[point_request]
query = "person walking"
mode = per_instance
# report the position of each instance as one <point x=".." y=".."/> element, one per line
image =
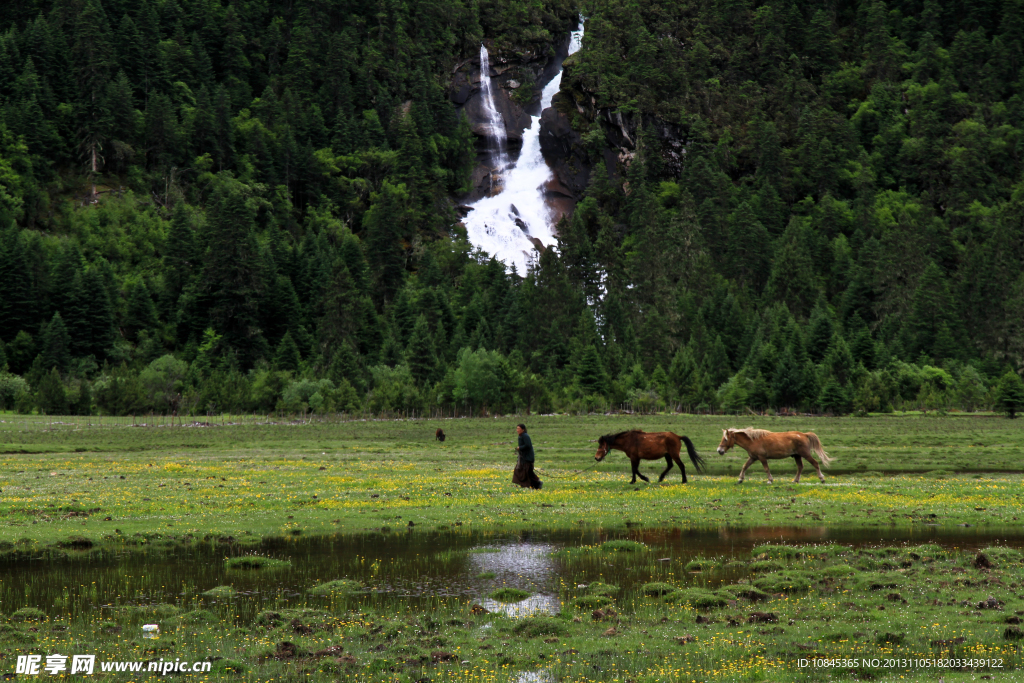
<point x="524" y="475"/>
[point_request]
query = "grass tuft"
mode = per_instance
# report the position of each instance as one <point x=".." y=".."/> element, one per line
<point x="508" y="594"/>
<point x="258" y="562"/>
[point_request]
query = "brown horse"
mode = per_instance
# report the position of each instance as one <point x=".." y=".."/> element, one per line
<point x="763" y="445"/>
<point x="639" y="446"/>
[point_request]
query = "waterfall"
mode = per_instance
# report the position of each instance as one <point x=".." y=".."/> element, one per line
<point x="502" y="225"/>
<point x="496" y="124"/>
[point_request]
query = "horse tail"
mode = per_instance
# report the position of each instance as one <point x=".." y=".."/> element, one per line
<point x="817" y="448"/>
<point x="698" y="462"/>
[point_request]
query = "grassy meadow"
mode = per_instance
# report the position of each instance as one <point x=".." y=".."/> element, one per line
<point x="77" y="493"/>
<point x="111" y="481"/>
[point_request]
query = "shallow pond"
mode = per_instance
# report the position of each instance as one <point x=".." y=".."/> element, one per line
<point x="413" y="567"/>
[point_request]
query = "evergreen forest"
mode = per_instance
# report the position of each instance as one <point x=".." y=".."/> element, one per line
<point x="252" y="206"/>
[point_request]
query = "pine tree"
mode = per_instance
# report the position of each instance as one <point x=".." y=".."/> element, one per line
<point x="131" y="54"/>
<point x="716" y="363"/>
<point x="65" y="268"/>
<point x="419" y="354"/>
<point x="56" y="345"/>
<point x="163" y="137"/>
<point x="1010" y="394"/>
<point x="681" y="372"/>
<point x="94" y="61"/>
<point x="386" y="223"/>
<point x="121" y="105"/>
<point x="839" y="361"/>
<point x="932" y="307"/>
<point x="788" y="382"/>
<point x="287" y="356"/>
<point x="403" y="316"/>
<point x="589" y="372"/>
<point x="749" y="248"/>
<point x="371" y="332"/>
<point x="179" y="255"/>
<point x="141" y="313"/>
<point x="659" y="382"/>
<point x="17" y="291"/>
<point x="20" y="352"/>
<point x="83" y="402"/>
<point x="833" y="399"/>
<point x="792" y="277"/>
<point x="345" y="366"/>
<point x="97" y="314"/>
<point x="232" y="280"/>
<point x="51" y="397"/>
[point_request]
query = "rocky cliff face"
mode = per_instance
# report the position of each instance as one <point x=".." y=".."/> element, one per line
<point x="520" y="77"/>
<point x="564" y="151"/>
<point x="575" y="105"/>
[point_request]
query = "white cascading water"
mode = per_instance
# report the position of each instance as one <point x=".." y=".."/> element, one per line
<point x="496" y="124"/>
<point x="494" y="224"/>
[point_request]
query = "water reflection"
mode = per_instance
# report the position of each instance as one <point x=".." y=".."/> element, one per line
<point x="523" y="565"/>
<point x="414" y="567"/>
<point x="535" y="604"/>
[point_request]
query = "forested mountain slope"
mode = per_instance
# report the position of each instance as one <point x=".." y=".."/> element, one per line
<point x="790" y="205"/>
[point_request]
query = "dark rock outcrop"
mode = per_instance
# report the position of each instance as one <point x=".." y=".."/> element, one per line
<point x="563" y="149"/>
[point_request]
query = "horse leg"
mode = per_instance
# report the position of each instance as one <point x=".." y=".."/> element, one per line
<point x="743" y="470"/>
<point x="637" y="473"/>
<point x="668" y="460"/>
<point x="679" y="461"/>
<point x="764" y="461"/>
<point x="799" y="468"/>
<point x="817" y="468"/>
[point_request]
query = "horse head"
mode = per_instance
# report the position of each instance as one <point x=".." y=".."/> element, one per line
<point x="602" y="449"/>
<point x="728" y="441"/>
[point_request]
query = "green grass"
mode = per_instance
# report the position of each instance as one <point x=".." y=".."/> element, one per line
<point x="509" y="594"/>
<point x="135" y="485"/>
<point x="256" y="562"/>
<point x="336" y="587"/>
<point x="73" y="491"/>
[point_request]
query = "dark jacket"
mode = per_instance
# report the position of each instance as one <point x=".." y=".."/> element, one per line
<point x="525" y="448"/>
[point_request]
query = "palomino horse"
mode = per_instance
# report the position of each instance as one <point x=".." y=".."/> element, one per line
<point x="649" y="446"/>
<point x="760" y="444"/>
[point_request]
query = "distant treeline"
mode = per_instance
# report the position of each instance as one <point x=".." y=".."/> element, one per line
<point x="811" y="208"/>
